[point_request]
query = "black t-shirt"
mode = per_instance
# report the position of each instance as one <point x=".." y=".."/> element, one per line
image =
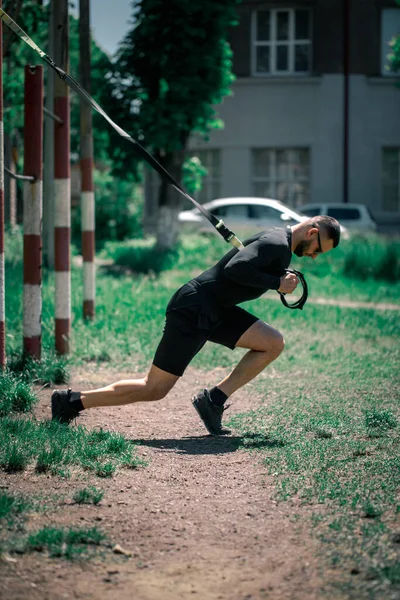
<point x="240" y="275"/>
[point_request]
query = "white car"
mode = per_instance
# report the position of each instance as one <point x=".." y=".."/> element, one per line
<point x="244" y="216"/>
<point x="352" y="216"/>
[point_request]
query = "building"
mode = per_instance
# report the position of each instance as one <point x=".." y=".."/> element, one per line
<point x="315" y="112"/>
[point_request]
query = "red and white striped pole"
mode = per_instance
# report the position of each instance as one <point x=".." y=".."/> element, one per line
<point x="33" y="210"/>
<point x="2" y="286"/>
<point x="62" y="186"/>
<point x="87" y="187"/>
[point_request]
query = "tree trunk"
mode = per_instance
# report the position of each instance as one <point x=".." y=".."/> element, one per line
<point x="169" y="202"/>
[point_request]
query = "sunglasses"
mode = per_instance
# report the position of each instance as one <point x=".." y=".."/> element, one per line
<point x="319" y="251"/>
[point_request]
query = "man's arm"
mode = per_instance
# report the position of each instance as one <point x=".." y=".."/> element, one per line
<point x="248" y="265"/>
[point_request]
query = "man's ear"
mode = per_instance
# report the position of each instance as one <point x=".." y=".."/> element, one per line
<point x="311" y="231"/>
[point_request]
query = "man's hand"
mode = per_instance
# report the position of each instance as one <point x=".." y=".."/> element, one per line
<point x="289" y="283"/>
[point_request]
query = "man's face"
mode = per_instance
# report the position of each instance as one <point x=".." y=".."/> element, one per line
<point x="313" y="244"/>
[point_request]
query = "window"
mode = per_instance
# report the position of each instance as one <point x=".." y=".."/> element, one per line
<point x="390" y="27"/>
<point x="211" y="183"/>
<point x="257" y="211"/>
<point x="233" y="211"/>
<point x="282" y="174"/>
<point x="281" y="42"/>
<point x="344" y="214"/>
<point x="391" y="179"/>
<point x="310" y="212"/>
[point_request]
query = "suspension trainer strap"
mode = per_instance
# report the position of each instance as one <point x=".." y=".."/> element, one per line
<point x="219" y="225"/>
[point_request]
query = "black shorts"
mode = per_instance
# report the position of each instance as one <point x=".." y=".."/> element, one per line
<point x="183" y="338"/>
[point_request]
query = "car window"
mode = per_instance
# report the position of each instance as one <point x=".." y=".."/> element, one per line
<point x="236" y="210"/>
<point x="258" y="211"/>
<point x="219" y="211"/>
<point x="349" y="214"/>
<point x="309" y="212"/>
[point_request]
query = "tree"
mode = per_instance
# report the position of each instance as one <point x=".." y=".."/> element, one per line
<point x="394" y="56"/>
<point x="172" y="67"/>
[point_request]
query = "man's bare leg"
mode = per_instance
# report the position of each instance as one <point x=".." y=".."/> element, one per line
<point x="265" y="343"/>
<point x="154" y="386"/>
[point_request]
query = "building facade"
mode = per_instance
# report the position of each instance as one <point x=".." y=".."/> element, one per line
<point x="315" y="111"/>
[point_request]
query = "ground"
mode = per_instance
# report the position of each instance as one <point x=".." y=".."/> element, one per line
<point x="200" y="521"/>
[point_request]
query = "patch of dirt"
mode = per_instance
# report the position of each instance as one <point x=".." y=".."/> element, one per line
<point x="200" y="521"/>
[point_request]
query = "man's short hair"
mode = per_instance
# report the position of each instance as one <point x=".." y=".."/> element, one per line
<point x="330" y="226"/>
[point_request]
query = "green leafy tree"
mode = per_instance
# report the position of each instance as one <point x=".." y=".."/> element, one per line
<point x="394" y="55"/>
<point x="172" y="68"/>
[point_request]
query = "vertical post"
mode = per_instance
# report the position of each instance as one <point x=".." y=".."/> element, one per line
<point x="48" y="167"/>
<point x="33" y="210"/>
<point x="346" y="97"/>
<point x="62" y="185"/>
<point x="86" y="163"/>
<point x="2" y="286"/>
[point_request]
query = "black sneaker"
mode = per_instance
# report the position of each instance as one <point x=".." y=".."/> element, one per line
<point x="210" y="414"/>
<point x="63" y="408"/>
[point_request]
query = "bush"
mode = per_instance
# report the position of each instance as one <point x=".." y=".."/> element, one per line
<point x="142" y="256"/>
<point x="373" y="257"/>
<point x="119" y="207"/>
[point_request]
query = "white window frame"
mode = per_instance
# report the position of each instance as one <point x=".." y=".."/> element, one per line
<point x="398" y="179"/>
<point x="273" y="43"/>
<point x="275" y="179"/>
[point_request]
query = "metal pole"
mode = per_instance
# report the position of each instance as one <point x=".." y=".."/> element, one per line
<point x="62" y="185"/>
<point x="33" y="211"/>
<point x="48" y="167"/>
<point x="86" y="163"/>
<point x="2" y="290"/>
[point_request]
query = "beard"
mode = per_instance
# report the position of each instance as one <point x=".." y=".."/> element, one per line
<point x="302" y="247"/>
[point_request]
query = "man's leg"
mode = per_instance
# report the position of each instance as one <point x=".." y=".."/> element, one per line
<point x="66" y="404"/>
<point x="265" y="345"/>
<point x="154" y="386"/>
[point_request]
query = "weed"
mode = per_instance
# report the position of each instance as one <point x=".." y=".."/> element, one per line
<point x="89" y="495"/>
<point x="380" y="419"/>
<point x="12" y="505"/>
<point x="104" y="469"/>
<point x="68" y="543"/>
<point x="51" y="369"/>
<point x="16" y="395"/>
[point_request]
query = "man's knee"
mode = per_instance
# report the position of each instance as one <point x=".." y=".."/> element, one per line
<point x="276" y="343"/>
<point x="157" y="389"/>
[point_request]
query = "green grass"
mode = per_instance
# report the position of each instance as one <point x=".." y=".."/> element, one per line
<point x="65" y="543"/>
<point x="16" y="395"/>
<point x="88" y="495"/>
<point x="12" y="506"/>
<point x="54" y="449"/>
<point x="328" y="433"/>
<point x="50" y="370"/>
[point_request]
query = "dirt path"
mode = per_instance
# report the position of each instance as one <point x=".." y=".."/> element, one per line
<point x="199" y="520"/>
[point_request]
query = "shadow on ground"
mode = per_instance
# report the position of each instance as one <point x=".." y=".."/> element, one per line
<point x="209" y="444"/>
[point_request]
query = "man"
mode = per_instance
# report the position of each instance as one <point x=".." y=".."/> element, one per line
<point x="205" y="309"/>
